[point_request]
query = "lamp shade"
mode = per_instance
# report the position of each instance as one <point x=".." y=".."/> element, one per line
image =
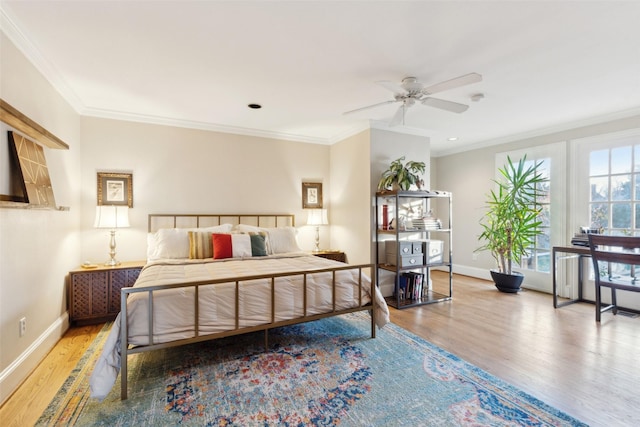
<point x="111" y="216"/>
<point x="317" y="217"/>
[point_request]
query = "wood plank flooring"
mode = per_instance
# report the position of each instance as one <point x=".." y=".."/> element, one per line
<point x="561" y="356"/>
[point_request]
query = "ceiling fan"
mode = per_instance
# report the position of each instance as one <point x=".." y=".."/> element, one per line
<point x="410" y="91"/>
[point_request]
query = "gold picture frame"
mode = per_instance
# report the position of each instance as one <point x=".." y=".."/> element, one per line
<point x="115" y="189"/>
<point x="311" y="195"/>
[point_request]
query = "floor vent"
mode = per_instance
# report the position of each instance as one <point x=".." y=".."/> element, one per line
<point x="628" y="314"/>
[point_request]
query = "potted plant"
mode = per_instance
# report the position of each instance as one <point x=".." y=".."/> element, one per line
<point x="402" y="175"/>
<point x="512" y="220"/>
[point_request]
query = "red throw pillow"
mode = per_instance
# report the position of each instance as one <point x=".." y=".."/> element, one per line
<point x="222" y="247"/>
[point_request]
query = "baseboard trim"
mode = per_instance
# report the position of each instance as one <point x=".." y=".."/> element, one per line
<point x="17" y="372"/>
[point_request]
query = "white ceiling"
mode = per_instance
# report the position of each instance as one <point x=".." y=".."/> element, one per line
<point x="545" y="65"/>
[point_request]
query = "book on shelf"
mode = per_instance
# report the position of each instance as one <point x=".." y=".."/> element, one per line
<point x="411" y="285"/>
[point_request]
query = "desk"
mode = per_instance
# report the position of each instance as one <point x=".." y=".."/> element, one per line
<point x="581" y="252"/>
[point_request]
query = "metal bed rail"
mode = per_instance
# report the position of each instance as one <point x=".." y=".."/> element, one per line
<point x="125" y="351"/>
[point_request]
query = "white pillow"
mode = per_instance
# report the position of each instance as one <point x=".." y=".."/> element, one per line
<point x="240" y="245"/>
<point x="283" y="239"/>
<point x="174" y="242"/>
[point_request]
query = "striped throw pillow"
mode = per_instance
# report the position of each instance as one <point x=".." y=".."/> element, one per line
<point x="200" y="245"/>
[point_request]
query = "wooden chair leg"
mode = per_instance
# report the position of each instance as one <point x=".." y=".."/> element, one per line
<point x="598" y="302"/>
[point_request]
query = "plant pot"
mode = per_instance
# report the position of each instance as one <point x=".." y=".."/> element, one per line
<point x="509" y="283"/>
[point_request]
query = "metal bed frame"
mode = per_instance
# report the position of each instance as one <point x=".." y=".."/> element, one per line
<point x="157" y="221"/>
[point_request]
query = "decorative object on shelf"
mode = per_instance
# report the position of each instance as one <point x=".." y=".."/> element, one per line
<point x="32" y="183"/>
<point x="115" y="189"/>
<point x="112" y="217"/>
<point x="511" y="223"/>
<point x="402" y="176"/>
<point x="317" y="217"/>
<point x="311" y="195"/>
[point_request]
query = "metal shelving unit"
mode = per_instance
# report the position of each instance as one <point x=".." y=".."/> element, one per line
<point x="409" y="208"/>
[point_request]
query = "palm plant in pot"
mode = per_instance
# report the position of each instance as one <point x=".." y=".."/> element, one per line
<point x="401" y="176"/>
<point x="512" y="221"/>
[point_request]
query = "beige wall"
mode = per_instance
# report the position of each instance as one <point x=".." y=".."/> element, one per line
<point x="37" y="247"/>
<point x="179" y="170"/>
<point x="350" y="212"/>
<point x="387" y="146"/>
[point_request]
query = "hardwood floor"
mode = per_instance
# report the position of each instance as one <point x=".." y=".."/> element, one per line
<point x="26" y="405"/>
<point x="561" y="356"/>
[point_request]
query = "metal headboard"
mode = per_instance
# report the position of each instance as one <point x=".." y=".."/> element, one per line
<point x="158" y="221"/>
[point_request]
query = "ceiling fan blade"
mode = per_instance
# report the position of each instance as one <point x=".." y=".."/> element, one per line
<point x="453" y="83"/>
<point x="398" y="118"/>
<point x="369" y="106"/>
<point x="393" y="87"/>
<point x="454" y="107"/>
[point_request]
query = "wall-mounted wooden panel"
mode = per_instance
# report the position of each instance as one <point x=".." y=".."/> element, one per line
<point x="24" y="124"/>
<point x="33" y="171"/>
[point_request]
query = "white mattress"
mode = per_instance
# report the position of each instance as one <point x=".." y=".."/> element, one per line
<point x="174" y="309"/>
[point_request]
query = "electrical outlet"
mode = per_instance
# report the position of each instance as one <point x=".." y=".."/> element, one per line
<point x="23" y="326"/>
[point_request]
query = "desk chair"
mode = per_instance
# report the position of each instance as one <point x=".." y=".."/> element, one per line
<point x="606" y="252"/>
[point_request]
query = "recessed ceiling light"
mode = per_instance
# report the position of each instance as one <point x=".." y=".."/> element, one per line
<point x="453" y="138"/>
<point x="254" y="106"/>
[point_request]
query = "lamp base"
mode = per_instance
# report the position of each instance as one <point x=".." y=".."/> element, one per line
<point x="112" y="251"/>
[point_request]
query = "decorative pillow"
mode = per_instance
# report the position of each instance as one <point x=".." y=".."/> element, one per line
<point x="279" y="239"/>
<point x="200" y="245"/>
<point x="174" y="242"/>
<point x="231" y="245"/>
<point x="251" y="229"/>
<point x="258" y="244"/>
<point x="283" y="239"/>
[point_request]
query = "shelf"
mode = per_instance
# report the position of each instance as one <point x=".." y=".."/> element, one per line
<point x="414" y="230"/>
<point x="395" y="205"/>
<point x="430" y="298"/>
<point x="394" y="268"/>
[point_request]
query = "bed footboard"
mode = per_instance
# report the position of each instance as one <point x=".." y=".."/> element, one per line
<point x="126" y="349"/>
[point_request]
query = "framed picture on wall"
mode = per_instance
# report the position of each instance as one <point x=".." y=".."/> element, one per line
<point x="115" y="189"/>
<point x="311" y="195"/>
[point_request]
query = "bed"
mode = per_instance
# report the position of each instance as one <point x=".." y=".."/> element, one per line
<point x="212" y="276"/>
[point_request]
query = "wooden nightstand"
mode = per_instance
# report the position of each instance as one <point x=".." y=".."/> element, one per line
<point x="331" y="254"/>
<point x="94" y="293"/>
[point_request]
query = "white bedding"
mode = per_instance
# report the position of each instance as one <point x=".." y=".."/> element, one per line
<point x="174" y="308"/>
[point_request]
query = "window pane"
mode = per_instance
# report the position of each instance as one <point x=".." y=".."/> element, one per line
<point x="544" y="262"/>
<point x="637" y="207"/>
<point x="621" y="187"/>
<point x="599" y="162"/>
<point x="599" y="215"/>
<point x="621" y="160"/>
<point x="545" y="216"/>
<point x="543" y="241"/>
<point x="621" y="215"/>
<point x="599" y="189"/>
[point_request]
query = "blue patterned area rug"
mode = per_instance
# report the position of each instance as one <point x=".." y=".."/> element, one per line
<point x="327" y="372"/>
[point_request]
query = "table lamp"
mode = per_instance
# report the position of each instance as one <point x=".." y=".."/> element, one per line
<point x="317" y="217"/>
<point x="113" y="217"/>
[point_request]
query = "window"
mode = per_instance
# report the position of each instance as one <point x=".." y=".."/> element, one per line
<point x="614" y="189"/>
<point x="553" y="159"/>
<point x="540" y="253"/>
